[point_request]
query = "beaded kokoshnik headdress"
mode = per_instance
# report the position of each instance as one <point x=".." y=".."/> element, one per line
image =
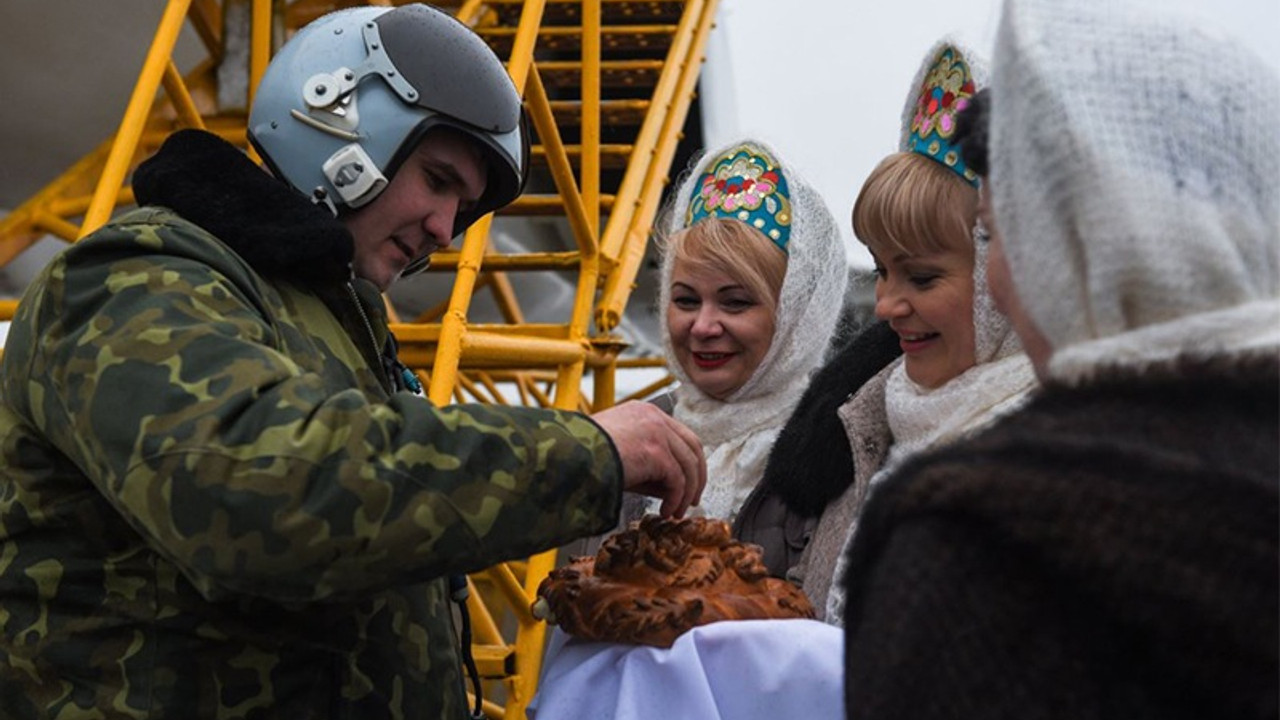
<point x="947" y="80"/>
<point x="744" y="183"/>
<point x="943" y="87"/>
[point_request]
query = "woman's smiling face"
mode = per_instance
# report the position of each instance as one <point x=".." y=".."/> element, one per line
<point x="720" y="331"/>
<point x="927" y="299"/>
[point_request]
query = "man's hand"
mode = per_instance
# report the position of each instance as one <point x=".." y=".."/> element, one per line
<point x="660" y="457"/>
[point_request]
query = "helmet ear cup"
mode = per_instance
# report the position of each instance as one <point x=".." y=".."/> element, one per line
<point x="350" y="95"/>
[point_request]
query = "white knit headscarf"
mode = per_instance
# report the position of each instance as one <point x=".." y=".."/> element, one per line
<point x="993" y="336"/>
<point x="738" y="432"/>
<point x="1135" y="184"/>
<point x="920" y="416"/>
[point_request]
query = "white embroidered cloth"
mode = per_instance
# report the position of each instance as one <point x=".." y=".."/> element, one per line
<point x="734" y="670"/>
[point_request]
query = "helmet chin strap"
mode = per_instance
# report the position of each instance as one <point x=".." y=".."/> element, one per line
<point x="416" y="266"/>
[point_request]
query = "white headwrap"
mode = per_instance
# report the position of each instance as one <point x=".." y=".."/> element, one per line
<point x="738" y="432"/>
<point x="920" y="418"/>
<point x="993" y="336"/>
<point x="1135" y="183"/>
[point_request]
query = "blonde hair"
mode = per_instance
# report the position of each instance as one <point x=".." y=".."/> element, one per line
<point x="912" y="204"/>
<point x="737" y="250"/>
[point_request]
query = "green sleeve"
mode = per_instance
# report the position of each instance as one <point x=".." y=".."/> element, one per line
<point x="159" y="369"/>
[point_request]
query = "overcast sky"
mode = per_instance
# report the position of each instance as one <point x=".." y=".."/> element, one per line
<point x="825" y="81"/>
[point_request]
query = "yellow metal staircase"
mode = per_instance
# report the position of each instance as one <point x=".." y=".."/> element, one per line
<point x="607" y="84"/>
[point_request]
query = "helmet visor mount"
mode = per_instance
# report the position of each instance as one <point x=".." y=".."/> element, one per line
<point x="332" y="107"/>
<point x="332" y="94"/>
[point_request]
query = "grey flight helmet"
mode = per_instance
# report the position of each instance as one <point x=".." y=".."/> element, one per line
<point x="349" y="96"/>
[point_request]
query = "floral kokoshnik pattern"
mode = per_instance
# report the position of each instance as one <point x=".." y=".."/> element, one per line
<point x="747" y="185"/>
<point x="948" y="85"/>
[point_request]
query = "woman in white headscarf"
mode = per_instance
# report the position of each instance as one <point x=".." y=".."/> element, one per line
<point x="1111" y="549"/>
<point x="962" y="366"/>
<point x="752" y="285"/>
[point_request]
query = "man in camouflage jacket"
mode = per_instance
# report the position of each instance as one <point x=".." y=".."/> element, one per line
<point x="216" y="500"/>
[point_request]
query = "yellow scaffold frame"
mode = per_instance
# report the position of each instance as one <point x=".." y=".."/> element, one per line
<point x="456" y="358"/>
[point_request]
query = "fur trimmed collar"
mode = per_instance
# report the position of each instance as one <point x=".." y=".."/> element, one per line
<point x="810" y="463"/>
<point x="276" y="229"/>
<point x="1244" y="379"/>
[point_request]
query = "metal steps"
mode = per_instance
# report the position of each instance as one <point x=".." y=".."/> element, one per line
<point x="608" y="85"/>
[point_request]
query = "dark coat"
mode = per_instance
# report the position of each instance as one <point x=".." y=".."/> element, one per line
<point x="1108" y="552"/>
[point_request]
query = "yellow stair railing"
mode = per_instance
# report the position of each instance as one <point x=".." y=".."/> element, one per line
<point x="607" y="85"/>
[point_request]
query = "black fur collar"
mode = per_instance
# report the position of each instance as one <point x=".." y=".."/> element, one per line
<point x="1236" y="381"/>
<point x="276" y="229"/>
<point x="810" y="463"/>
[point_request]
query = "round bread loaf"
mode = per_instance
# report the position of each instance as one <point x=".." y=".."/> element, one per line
<point x="660" y="577"/>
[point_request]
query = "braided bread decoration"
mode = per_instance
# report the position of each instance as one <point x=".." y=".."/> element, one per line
<point x="661" y="577"/>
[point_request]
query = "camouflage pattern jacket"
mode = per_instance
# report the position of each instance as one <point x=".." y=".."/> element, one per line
<point x="214" y="504"/>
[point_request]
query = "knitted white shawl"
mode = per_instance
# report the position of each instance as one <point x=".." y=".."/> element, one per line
<point x="920" y="419"/>
<point x="738" y="432"/>
<point x="998" y="383"/>
<point x="1133" y="176"/>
